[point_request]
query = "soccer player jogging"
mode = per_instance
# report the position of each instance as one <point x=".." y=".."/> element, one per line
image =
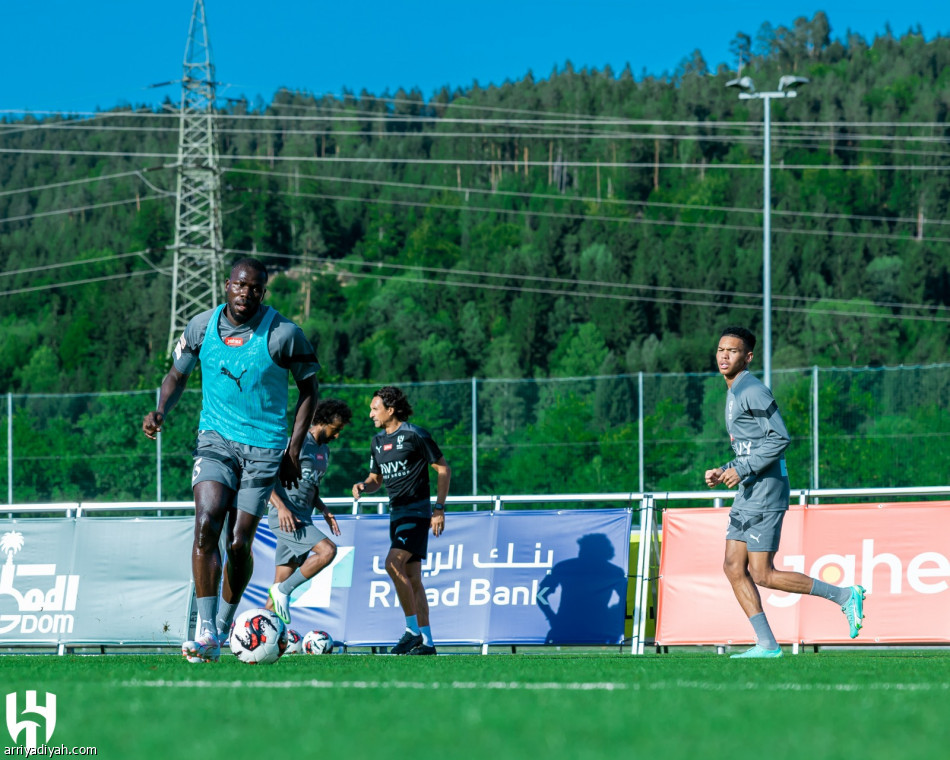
<point x="247" y="353"/>
<point x="302" y="548"/>
<point x="759" y="440"/>
<point x="400" y="458"/>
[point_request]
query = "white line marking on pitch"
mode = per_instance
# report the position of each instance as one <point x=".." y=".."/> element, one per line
<point x="462" y="685"/>
<point x="759" y="686"/>
<point x="529" y="686"/>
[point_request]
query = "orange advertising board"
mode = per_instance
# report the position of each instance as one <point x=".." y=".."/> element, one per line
<point x="899" y="552"/>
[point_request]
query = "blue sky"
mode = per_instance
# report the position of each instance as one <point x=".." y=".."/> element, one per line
<point x="66" y="55"/>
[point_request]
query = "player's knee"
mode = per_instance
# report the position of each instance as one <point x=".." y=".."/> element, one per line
<point x="326" y="551"/>
<point x="733" y="569"/>
<point x="207" y="531"/>
<point x="239" y="546"/>
<point x="761" y="576"/>
<point x="395" y="567"/>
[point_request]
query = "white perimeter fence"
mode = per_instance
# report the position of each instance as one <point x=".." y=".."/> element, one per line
<point x="647" y="508"/>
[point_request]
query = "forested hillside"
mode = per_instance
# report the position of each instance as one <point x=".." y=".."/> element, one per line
<point x="584" y="222"/>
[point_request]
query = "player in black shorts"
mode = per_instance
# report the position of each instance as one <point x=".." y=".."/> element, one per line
<point x="400" y="458"/>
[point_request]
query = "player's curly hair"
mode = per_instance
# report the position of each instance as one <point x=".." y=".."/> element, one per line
<point x="393" y="398"/>
<point x="329" y="409"/>
<point x="746" y="336"/>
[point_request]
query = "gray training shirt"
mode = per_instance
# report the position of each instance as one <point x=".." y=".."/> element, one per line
<point x="286" y="343"/>
<point x="301" y="499"/>
<point x="759" y="439"/>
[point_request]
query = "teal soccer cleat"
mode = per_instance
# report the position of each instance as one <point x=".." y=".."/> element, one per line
<point x="758" y="653"/>
<point x="853" y="609"/>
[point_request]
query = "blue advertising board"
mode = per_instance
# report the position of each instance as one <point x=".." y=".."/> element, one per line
<point x="532" y="577"/>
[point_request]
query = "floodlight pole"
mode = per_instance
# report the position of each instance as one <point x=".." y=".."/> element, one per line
<point x="767" y="97"/>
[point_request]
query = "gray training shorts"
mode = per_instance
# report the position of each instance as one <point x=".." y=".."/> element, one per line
<point x="759" y="531"/>
<point x="293" y="548"/>
<point x="250" y="471"/>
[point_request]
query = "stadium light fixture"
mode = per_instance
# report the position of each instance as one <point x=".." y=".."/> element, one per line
<point x="743" y="83"/>
<point x="786" y="89"/>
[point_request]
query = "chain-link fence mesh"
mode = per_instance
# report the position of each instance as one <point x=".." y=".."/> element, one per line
<point x="875" y="428"/>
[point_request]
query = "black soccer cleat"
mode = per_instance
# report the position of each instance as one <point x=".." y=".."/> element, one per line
<point x="407" y="643"/>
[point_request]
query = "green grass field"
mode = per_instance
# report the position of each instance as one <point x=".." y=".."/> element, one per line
<point x="845" y="704"/>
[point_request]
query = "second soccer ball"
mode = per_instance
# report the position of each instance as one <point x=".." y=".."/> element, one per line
<point x="317" y="642"/>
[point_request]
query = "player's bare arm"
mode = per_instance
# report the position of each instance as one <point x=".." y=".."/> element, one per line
<point x="172" y="387"/>
<point x="372" y="484"/>
<point x="306" y="400"/>
<point x="444" y="478"/>
<point x="285" y="518"/>
<point x="329" y="517"/>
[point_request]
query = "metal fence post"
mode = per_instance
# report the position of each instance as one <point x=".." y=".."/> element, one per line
<point x="640" y="427"/>
<point x="10" y="448"/>
<point x="814" y="427"/>
<point x="158" y="452"/>
<point x="474" y="438"/>
<point x="641" y="595"/>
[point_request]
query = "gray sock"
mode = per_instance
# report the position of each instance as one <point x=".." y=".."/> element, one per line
<point x="207" y="611"/>
<point x="763" y="633"/>
<point x="826" y="591"/>
<point x="226" y="617"/>
<point x="292" y="582"/>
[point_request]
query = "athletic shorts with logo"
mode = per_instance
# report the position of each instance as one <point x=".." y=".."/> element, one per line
<point x="760" y="531"/>
<point x="293" y="547"/>
<point x="410" y="534"/>
<point x="249" y="471"/>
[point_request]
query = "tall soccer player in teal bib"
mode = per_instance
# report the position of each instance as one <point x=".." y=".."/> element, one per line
<point x="247" y="352"/>
<point x="759" y="440"/>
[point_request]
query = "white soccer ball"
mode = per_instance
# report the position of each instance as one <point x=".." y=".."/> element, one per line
<point x="258" y="636"/>
<point x="317" y="642"/>
<point x="294" y="642"/>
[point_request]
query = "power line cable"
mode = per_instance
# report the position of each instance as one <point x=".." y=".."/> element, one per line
<point x="75" y="209"/>
<point x="63" y="265"/>
<point x="85" y="180"/>
<point x="327" y="261"/>
<point x="580" y="199"/>
<point x="483" y="286"/>
<point x="579" y="121"/>
<point x="618" y="220"/>
<point x="594" y="283"/>
<point x="622" y="297"/>
<point x="814" y="141"/>
<point x="73" y="283"/>
<point x="513" y="163"/>
<point x="552" y="280"/>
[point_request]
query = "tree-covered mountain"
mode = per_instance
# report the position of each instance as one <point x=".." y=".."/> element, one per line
<point x="586" y="223"/>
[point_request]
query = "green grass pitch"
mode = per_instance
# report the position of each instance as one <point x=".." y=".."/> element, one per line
<point x="835" y="704"/>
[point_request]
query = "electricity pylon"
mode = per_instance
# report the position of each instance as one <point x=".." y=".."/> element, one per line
<point x="198" y="242"/>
